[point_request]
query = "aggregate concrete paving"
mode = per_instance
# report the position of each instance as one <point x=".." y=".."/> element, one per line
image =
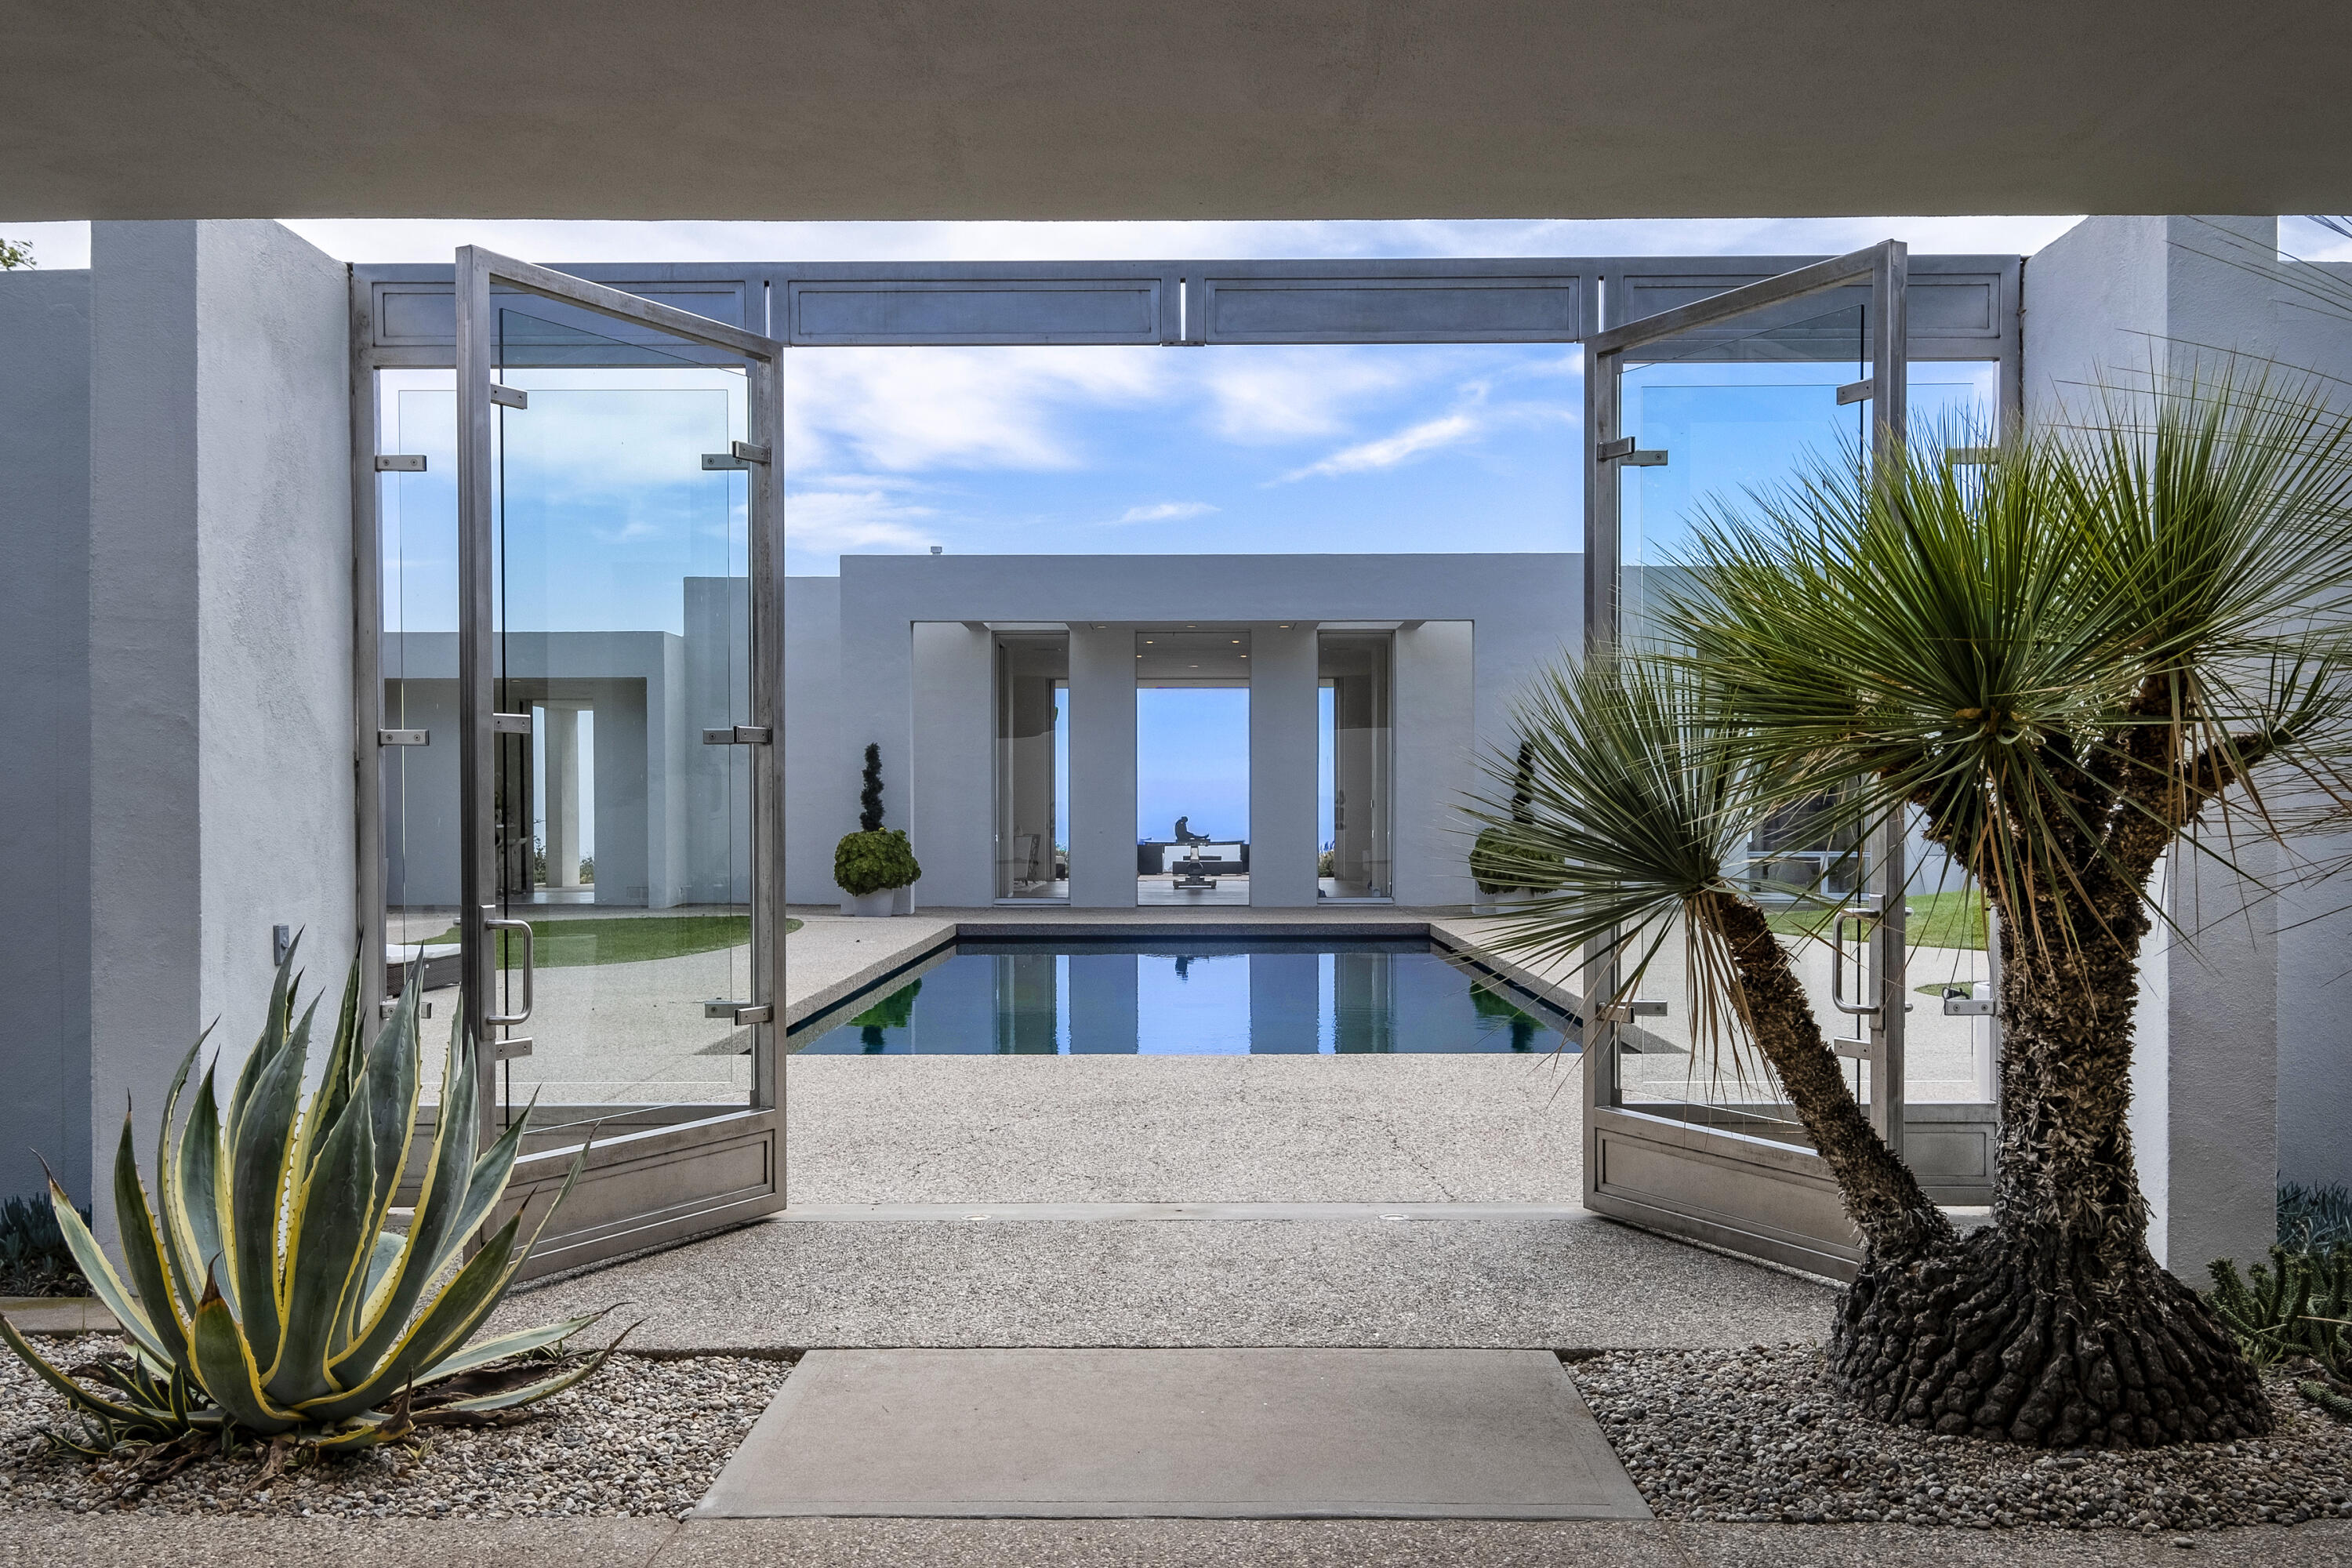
<point x="132" y="1541"/>
<point x="1368" y="1129"/>
<point x="1569" y="1282"/>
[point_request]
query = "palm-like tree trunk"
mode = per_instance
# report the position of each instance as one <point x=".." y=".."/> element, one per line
<point x="2054" y="1325"/>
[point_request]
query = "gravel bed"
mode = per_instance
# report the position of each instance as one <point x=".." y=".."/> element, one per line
<point x="1758" y="1434"/>
<point x="643" y="1437"/>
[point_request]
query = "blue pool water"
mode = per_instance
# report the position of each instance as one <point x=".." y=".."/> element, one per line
<point x="1190" y="998"/>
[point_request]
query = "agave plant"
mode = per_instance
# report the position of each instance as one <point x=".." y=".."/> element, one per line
<point x="268" y="1297"/>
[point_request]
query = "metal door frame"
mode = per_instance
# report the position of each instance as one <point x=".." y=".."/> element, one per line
<point x="638" y="1189"/>
<point x="1749" y="1194"/>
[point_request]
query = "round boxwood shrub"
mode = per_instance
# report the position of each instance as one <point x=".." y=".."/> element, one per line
<point x="873" y="862"/>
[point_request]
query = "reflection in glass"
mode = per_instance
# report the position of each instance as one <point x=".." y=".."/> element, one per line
<point x="622" y="621"/>
<point x="1191" y="766"/>
<point x="1352" y="670"/>
<point x="1718" y="413"/>
<point x="416" y="524"/>
<point x="1033" y="765"/>
<point x="1205" y="998"/>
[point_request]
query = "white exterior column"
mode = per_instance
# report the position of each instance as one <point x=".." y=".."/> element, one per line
<point x="1281" y="750"/>
<point x="560" y="752"/>
<point x="220" y="757"/>
<point x="1102" y="767"/>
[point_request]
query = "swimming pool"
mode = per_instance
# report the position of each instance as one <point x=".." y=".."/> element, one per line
<point x="1190" y="997"/>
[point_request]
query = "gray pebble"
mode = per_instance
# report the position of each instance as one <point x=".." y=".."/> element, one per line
<point x="1758" y="1434"/>
<point x="641" y="1438"/>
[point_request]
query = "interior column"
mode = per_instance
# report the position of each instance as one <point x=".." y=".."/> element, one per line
<point x="1283" y="754"/>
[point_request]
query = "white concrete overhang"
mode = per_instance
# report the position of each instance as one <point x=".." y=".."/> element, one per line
<point x="1220" y="108"/>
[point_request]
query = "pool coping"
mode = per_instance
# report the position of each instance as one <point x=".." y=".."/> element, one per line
<point x="932" y="934"/>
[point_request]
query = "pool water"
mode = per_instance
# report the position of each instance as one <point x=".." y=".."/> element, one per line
<point x="1191" y="997"/>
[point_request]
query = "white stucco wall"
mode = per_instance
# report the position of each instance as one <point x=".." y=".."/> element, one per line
<point x="1436" y="742"/>
<point x="2242" y="1063"/>
<point x="816" y="812"/>
<point x="942" y="791"/>
<point x="221" y="756"/>
<point x="44" y="718"/>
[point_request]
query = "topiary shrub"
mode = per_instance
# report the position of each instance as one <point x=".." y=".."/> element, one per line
<point x="874" y="862"/>
<point x="1498" y="862"/>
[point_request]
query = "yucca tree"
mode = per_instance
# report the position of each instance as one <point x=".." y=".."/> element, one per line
<point x="2123" y="640"/>
<point x="269" y="1295"/>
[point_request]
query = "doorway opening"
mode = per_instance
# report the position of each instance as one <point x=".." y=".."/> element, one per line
<point x="1193" y="766"/>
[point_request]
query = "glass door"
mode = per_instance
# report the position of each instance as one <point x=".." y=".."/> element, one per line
<point x="1799" y="376"/>
<point x="617" y="638"/>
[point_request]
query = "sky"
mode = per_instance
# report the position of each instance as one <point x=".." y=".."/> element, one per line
<point x="1145" y="449"/>
<point x="1093" y="451"/>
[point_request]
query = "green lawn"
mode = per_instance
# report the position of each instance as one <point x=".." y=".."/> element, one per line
<point x="627" y="938"/>
<point x="1952" y="919"/>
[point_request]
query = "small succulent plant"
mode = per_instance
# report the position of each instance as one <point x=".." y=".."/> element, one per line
<point x="2298" y="1310"/>
<point x="269" y="1296"/>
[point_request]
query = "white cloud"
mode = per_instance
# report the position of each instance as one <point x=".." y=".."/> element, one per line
<point x="821" y="523"/>
<point x="1388" y="451"/>
<point x="909" y="409"/>
<point x="559" y="241"/>
<point x="1165" y="512"/>
<point x="1259" y="396"/>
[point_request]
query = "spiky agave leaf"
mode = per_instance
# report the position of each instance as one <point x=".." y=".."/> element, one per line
<point x="265" y="1294"/>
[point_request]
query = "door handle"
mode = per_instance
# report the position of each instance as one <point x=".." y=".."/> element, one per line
<point x="529" y="966"/>
<point x="1863" y="915"/>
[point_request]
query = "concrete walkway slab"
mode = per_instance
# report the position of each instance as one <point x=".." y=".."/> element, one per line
<point x="1212" y="1434"/>
<point x="58" y="1315"/>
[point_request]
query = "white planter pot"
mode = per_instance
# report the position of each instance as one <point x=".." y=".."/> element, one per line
<point x="902" y="900"/>
<point x="873" y="904"/>
<point x="1503" y="904"/>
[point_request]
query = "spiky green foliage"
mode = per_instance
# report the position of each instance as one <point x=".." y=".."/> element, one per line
<point x="2301" y="1305"/>
<point x="2125" y="638"/>
<point x="2313" y="1218"/>
<point x="2331" y="1400"/>
<point x="266" y="1294"/>
<point x="34" y="1259"/>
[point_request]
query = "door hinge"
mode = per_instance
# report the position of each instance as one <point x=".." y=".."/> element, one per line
<point x="509" y="724"/>
<point x="1622" y="450"/>
<point x="739" y="735"/>
<point x="1856" y="392"/>
<point x="1962" y="1001"/>
<point x="510" y="1048"/>
<point x="740" y="1012"/>
<point x="404" y="737"/>
<point x="739" y="455"/>
<point x="400" y="462"/>
<point x="508" y="396"/>
<point x="1626" y="1012"/>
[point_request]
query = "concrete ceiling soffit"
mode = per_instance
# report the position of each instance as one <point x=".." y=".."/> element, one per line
<point x="1218" y="109"/>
